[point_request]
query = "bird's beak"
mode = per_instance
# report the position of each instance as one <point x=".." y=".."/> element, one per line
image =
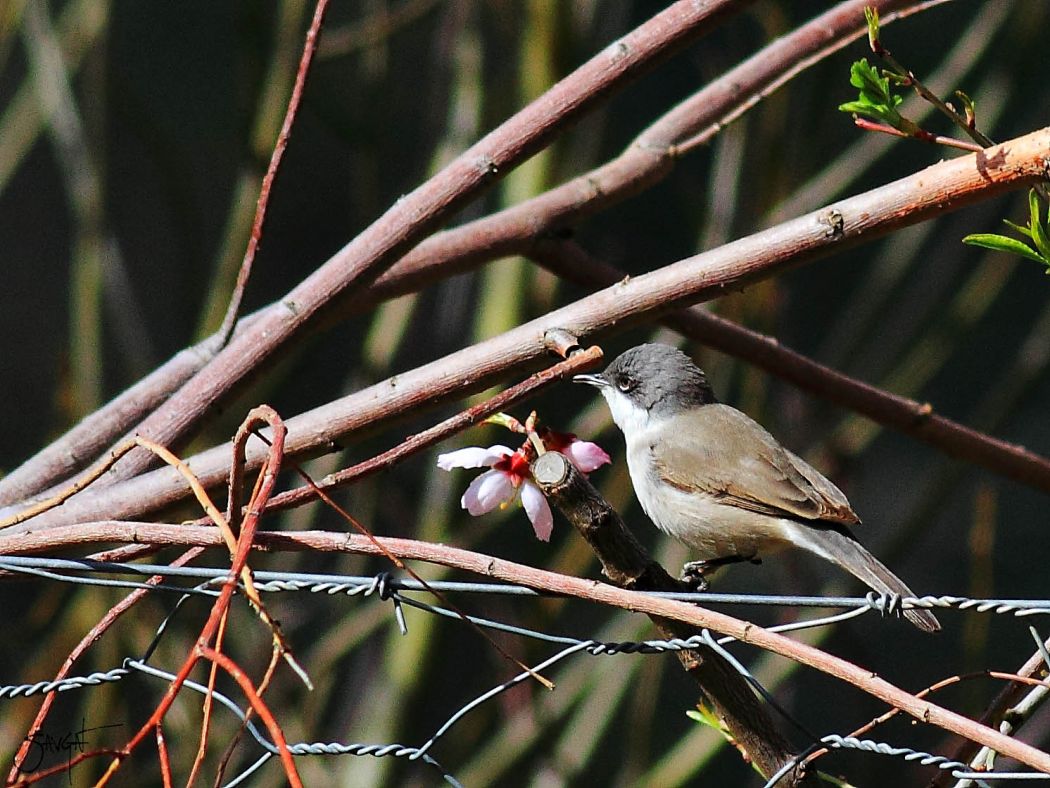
<point x="598" y="381"/>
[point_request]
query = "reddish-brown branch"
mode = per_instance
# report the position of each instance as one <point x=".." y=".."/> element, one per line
<point x="563" y="370"/>
<point x="993" y="715"/>
<point x="499" y="569"/>
<point x="163" y="757"/>
<point x="309" y="49"/>
<point x="941" y="187"/>
<point x="918" y="134"/>
<point x="260" y="708"/>
<point x="231" y="747"/>
<point x="936" y="687"/>
<point x="62" y="768"/>
<point x="238" y="566"/>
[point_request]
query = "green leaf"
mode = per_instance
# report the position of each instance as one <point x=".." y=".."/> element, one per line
<point x="871" y="16"/>
<point x="864" y="77"/>
<point x="969" y="108"/>
<point x="1035" y="224"/>
<point x="871" y="111"/>
<point x="705" y="715"/>
<point x="875" y="99"/>
<point x="1002" y="243"/>
<point x="1023" y="230"/>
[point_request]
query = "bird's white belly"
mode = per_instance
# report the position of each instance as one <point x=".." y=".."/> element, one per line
<point x="711" y="528"/>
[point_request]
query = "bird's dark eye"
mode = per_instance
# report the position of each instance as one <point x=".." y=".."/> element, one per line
<point x="625" y="384"/>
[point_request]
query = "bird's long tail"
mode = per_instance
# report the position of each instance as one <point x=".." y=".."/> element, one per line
<point x="844" y="550"/>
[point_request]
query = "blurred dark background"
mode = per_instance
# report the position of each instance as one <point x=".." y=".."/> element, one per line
<point x="124" y="218"/>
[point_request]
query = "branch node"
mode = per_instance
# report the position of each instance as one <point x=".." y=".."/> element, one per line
<point x="834" y="221"/>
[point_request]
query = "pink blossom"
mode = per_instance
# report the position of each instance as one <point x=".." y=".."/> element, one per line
<point x="509" y="477"/>
<point x="584" y="455"/>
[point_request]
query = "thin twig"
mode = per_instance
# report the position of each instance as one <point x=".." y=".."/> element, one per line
<point x="928" y="95"/>
<point x="563" y="370"/>
<point x="202" y="648"/>
<point x="309" y="49"/>
<point x="163" y="757"/>
<point x="936" y="687"/>
<point x="919" y="134"/>
<point x="260" y="708"/>
<point x="992" y="715"/>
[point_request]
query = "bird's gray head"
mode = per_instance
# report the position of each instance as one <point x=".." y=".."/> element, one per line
<point x="650" y="382"/>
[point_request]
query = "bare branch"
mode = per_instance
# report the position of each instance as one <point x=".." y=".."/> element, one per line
<point x="309" y="49"/>
<point x="511" y="231"/>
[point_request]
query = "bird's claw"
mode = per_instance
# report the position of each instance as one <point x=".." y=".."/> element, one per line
<point x="694" y="573"/>
<point x="693" y="576"/>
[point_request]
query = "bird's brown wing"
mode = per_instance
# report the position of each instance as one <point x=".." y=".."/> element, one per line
<point x="718" y="450"/>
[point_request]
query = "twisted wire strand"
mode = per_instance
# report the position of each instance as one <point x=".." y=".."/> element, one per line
<point x="959" y="770"/>
<point x="333" y="584"/>
<point x="62" y="685"/>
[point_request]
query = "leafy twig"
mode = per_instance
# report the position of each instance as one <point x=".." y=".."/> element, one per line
<point x="907" y="78"/>
<point x="876" y="108"/>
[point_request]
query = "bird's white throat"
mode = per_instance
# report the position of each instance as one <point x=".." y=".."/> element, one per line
<point x="629" y="417"/>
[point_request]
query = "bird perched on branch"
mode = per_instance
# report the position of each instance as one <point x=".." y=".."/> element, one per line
<point x="713" y="478"/>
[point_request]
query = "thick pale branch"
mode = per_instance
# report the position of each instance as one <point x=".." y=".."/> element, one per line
<point x="647" y="160"/>
<point x="496" y="568"/>
<point x="942" y="187"/>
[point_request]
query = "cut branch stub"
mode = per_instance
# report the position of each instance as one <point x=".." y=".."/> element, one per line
<point x="624" y="560"/>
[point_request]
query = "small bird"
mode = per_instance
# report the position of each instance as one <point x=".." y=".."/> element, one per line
<point x="713" y="478"/>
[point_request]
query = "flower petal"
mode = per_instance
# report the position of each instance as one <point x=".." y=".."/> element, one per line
<point x="538" y="510"/>
<point x="487" y="491"/>
<point x="587" y="456"/>
<point x="472" y="457"/>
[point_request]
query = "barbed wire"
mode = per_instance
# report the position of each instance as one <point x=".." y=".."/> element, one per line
<point x="396" y="590"/>
<point x="335" y="584"/>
